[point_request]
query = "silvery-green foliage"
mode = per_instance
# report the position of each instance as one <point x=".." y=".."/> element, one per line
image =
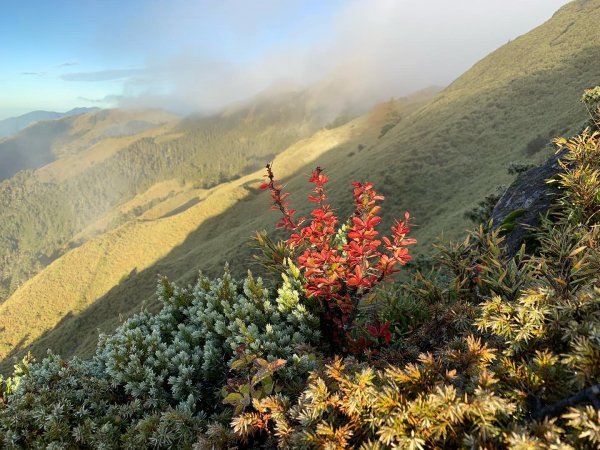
<point x="180" y="355"/>
<point x="154" y="381"/>
<point x="58" y="404"/>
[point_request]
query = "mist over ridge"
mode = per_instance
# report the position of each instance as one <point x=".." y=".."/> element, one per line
<point x="369" y="53"/>
<point x="201" y="57"/>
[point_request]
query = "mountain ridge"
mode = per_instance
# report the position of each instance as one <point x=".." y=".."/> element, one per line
<point x="12" y="125"/>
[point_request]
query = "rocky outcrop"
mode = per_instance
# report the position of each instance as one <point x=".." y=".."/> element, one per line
<point x="527" y="199"/>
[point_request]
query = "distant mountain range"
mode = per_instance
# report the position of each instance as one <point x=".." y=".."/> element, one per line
<point x="45" y="141"/>
<point x="13" y="125"/>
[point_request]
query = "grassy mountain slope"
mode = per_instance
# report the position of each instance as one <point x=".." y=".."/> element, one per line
<point x="456" y="149"/>
<point x="43" y="213"/>
<point x="437" y="163"/>
<point x="164" y="239"/>
<point x="39" y="213"/>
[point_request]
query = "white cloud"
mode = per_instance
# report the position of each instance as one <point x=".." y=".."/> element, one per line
<point x="382" y="48"/>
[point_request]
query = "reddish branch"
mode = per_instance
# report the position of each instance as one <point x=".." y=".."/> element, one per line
<point x="279" y="200"/>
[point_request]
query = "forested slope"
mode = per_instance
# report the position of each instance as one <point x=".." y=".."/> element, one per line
<point x="98" y="169"/>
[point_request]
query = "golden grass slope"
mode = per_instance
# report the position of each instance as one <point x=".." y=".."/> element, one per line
<point x="161" y="199"/>
<point x="445" y="158"/>
<point x="82" y="276"/>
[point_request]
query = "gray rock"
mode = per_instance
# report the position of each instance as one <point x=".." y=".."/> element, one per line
<point x="527" y="199"/>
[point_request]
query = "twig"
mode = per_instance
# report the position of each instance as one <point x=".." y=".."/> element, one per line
<point x="589" y="394"/>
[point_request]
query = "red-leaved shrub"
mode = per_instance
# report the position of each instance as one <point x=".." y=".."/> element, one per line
<point x="340" y="265"/>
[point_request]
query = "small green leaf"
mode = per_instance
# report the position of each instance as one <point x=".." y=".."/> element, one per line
<point x="239" y="364"/>
<point x="233" y="398"/>
<point x="261" y="363"/>
<point x="268" y="386"/>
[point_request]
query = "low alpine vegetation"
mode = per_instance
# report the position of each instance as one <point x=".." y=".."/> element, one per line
<point x="158" y="378"/>
<point x="481" y="350"/>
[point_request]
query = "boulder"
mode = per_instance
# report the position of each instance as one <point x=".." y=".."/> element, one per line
<point x="525" y="201"/>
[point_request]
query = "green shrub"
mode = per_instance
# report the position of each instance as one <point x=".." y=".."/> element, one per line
<point x="384" y="129"/>
<point x="158" y="377"/>
<point x="591" y="99"/>
<point x="516" y="168"/>
<point x="482" y="213"/>
<point x="508" y="355"/>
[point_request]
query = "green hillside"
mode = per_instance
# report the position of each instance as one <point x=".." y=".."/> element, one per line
<point x="437" y="162"/>
<point x="487" y="350"/>
<point x="173" y="219"/>
<point x="40" y="210"/>
<point x="456" y="149"/>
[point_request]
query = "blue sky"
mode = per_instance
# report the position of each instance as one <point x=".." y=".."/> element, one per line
<point x="199" y="55"/>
